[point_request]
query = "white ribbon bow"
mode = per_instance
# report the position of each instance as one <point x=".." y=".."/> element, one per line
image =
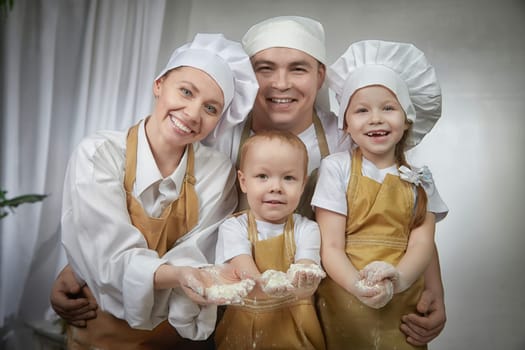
<point x="418" y="176"/>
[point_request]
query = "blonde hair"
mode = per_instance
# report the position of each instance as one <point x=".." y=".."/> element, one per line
<point x="286" y="137"/>
<point x="420" y="210"/>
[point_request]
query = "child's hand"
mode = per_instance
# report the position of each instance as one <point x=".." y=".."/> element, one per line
<point x="305" y="279"/>
<point x="275" y="283"/>
<point x="377" y="271"/>
<point x="305" y="275"/>
<point x="375" y="295"/>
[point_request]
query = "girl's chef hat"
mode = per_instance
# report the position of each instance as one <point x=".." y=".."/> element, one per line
<point x="400" y="67"/>
<point x="227" y="63"/>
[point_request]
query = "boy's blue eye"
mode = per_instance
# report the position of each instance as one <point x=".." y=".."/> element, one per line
<point x="289" y="178"/>
<point x="262" y="176"/>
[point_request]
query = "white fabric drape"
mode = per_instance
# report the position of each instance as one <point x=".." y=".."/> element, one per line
<point x="68" y="68"/>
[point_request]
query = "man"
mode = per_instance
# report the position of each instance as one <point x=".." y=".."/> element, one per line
<point x="288" y="55"/>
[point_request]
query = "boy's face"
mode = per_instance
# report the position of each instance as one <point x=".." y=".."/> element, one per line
<point x="289" y="80"/>
<point x="273" y="179"/>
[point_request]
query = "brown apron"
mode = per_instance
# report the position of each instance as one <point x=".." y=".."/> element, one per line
<point x="304" y="208"/>
<point x="276" y="323"/>
<point x="377" y="228"/>
<point x="109" y="332"/>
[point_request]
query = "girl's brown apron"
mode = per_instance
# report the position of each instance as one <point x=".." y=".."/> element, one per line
<point x="377" y="228"/>
<point x="304" y="208"/>
<point x="109" y="332"/>
<point x="276" y="323"/>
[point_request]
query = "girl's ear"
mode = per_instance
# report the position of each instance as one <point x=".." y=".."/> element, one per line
<point x="242" y="180"/>
<point x="408" y="123"/>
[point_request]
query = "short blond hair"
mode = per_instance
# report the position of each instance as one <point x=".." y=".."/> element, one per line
<point x="281" y="135"/>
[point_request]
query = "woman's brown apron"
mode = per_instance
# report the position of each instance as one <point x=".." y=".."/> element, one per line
<point x="274" y="323"/>
<point x="304" y="207"/>
<point x="377" y="228"/>
<point x="109" y="332"/>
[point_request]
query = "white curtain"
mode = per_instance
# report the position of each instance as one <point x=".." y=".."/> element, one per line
<point x="68" y="68"/>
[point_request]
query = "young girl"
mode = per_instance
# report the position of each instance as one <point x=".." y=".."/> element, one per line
<point x="141" y="207"/>
<point x="270" y="239"/>
<point x="376" y="213"/>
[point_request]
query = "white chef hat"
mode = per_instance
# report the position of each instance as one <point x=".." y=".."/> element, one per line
<point x="227" y="63"/>
<point x="295" y="32"/>
<point x="400" y="67"/>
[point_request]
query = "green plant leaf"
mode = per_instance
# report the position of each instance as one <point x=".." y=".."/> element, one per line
<point x="27" y="198"/>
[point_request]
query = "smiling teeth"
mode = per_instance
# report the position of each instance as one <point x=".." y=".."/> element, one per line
<point x="281" y="100"/>
<point x="179" y="125"/>
<point x="376" y="133"/>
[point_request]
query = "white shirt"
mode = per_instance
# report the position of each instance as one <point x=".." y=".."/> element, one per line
<point x="336" y="139"/>
<point x="233" y="237"/>
<point x="112" y="256"/>
<point x="334" y="175"/>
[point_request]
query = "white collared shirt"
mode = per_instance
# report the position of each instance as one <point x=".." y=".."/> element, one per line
<point x="153" y="191"/>
<point x="112" y="256"/>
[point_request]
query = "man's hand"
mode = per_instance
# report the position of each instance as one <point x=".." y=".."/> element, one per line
<point x="71" y="301"/>
<point x="421" y="328"/>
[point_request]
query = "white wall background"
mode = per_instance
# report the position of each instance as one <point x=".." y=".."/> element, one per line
<point x="475" y="150"/>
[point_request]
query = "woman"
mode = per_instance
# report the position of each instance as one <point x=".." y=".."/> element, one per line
<point x="140" y="207"/>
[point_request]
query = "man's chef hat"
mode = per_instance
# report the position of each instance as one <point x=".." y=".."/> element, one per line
<point x="295" y="32"/>
<point x="400" y="67"/>
<point x="227" y="63"/>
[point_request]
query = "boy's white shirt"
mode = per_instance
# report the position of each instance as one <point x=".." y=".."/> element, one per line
<point x="233" y="237"/>
<point x="111" y="255"/>
<point x="334" y="175"/>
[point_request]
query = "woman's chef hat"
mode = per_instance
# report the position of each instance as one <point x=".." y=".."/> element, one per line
<point x="400" y="67"/>
<point x="295" y="32"/>
<point x="227" y="63"/>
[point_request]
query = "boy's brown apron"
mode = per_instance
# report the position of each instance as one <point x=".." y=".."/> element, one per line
<point x="276" y="323"/>
<point x="304" y="207"/>
<point x="109" y="332"/>
<point x="377" y="228"/>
